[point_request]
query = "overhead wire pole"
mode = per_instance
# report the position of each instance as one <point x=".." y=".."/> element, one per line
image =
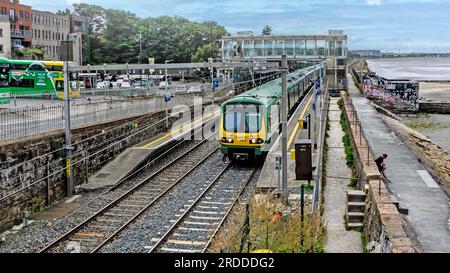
<point x="284" y="126"/>
<point x="68" y="133"/>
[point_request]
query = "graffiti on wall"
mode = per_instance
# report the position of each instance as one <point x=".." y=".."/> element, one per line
<point x="402" y="95"/>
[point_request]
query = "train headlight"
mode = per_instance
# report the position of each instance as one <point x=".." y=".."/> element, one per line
<point x="227" y="139"/>
<point x="256" y="141"/>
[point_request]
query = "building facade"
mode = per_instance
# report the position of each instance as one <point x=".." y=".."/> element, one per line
<point x="331" y="48"/>
<point x="20" y="22"/>
<point x="365" y="53"/>
<point x="5" y="37"/>
<point x="78" y="27"/>
<point x="49" y="30"/>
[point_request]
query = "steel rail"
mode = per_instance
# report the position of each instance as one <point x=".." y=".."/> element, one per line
<point x="157" y="198"/>
<point x="169" y="231"/>
<point x="224" y="218"/>
<point x="120" y="198"/>
<point x="198" y="199"/>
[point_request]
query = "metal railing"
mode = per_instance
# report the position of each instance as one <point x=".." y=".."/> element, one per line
<point x="20" y="33"/>
<point x="319" y="159"/>
<point x="30" y="120"/>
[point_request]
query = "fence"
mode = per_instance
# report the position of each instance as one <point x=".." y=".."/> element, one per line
<point x="39" y="119"/>
<point x="321" y="142"/>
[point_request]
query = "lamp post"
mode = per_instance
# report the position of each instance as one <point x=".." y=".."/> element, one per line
<point x="140" y="48"/>
<point x="284" y="69"/>
<point x="67" y="129"/>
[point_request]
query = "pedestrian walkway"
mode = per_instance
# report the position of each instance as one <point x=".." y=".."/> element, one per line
<point x="428" y="205"/>
<point x="338" y="240"/>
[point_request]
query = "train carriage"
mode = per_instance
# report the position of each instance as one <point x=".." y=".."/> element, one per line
<point x="250" y="119"/>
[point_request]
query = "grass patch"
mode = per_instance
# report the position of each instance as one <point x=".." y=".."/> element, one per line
<point x="363" y="241"/>
<point x="308" y="187"/>
<point x="348" y="149"/>
<point x="284" y="234"/>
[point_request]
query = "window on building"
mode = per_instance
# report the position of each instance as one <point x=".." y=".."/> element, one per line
<point x="321" y="47"/>
<point x="279" y="47"/>
<point x="21" y="14"/>
<point x="12" y="13"/>
<point x="268" y="47"/>
<point x="331" y="48"/>
<point x="300" y="49"/>
<point x="1" y="32"/>
<point x="289" y="47"/>
<point x="310" y="48"/>
<point x="1" y="48"/>
<point x="4" y="11"/>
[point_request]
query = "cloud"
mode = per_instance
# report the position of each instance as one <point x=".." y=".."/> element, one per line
<point x="373" y="2"/>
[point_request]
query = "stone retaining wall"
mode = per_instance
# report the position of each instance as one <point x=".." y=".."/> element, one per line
<point x="434" y="107"/>
<point x="382" y="221"/>
<point x="31" y="159"/>
<point x="436" y="159"/>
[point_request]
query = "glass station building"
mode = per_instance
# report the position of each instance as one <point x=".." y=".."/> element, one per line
<point x="331" y="48"/>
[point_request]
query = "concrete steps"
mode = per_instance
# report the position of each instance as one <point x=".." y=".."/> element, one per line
<point x="356" y="203"/>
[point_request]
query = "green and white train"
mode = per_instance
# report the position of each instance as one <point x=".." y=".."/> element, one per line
<point x="247" y="122"/>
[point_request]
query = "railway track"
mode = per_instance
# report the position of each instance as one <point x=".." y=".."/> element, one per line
<point x="200" y="221"/>
<point x="96" y="231"/>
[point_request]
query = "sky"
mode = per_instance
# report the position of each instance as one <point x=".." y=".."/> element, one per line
<point x="401" y="26"/>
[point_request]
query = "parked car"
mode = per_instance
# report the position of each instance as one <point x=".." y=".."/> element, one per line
<point x="102" y="85"/>
<point x="163" y="84"/>
<point x="125" y="84"/>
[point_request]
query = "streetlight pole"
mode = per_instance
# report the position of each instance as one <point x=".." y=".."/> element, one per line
<point x="284" y="126"/>
<point x="68" y="133"/>
<point x="140" y="47"/>
<point x="166" y="93"/>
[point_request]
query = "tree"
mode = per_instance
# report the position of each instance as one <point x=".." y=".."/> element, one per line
<point x="114" y="36"/>
<point x="63" y="12"/>
<point x="267" y="30"/>
<point x="204" y="52"/>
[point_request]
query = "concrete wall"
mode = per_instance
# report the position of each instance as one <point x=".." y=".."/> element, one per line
<point x="382" y="221"/>
<point x="26" y="161"/>
<point x="35" y="198"/>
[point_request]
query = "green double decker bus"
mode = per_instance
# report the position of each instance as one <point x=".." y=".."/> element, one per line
<point x="34" y="79"/>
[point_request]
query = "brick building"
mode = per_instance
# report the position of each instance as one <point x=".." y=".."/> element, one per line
<point x="20" y="21"/>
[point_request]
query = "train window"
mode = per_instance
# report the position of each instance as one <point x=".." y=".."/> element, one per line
<point x="239" y="118"/>
<point x="36" y="67"/>
<point x="22" y="83"/>
<point x="19" y="66"/>
<point x="55" y="68"/>
<point x="59" y="85"/>
<point x="252" y="122"/>
<point x="4" y="82"/>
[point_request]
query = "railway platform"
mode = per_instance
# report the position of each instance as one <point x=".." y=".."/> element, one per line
<point x="268" y="179"/>
<point x="132" y="158"/>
